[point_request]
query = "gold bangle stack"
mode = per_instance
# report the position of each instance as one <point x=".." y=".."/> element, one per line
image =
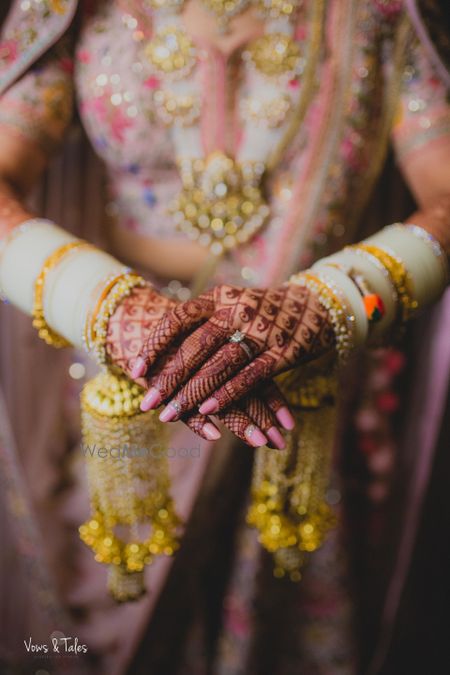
<point x="98" y="296"/>
<point x="341" y="316"/>
<point x="96" y="329"/>
<point x="50" y="336"/>
<point x="399" y="275"/>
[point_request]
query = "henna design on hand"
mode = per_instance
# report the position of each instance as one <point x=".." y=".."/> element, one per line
<point x="253" y="415"/>
<point x="138" y="313"/>
<point x="222" y="365"/>
<point x="182" y="319"/>
<point x="283" y="327"/>
<point x="135" y="317"/>
<point x="187" y="359"/>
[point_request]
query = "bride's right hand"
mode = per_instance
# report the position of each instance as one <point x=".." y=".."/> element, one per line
<point x="253" y="420"/>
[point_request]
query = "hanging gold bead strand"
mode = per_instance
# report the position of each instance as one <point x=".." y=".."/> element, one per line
<point x="133" y="516"/>
<point x="288" y="506"/>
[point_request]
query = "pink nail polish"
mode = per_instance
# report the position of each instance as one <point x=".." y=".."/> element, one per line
<point x="138" y="368"/>
<point x="285" y="418"/>
<point x="151" y="400"/>
<point x="276" y="438"/>
<point x="211" y="432"/>
<point x="168" y="414"/>
<point x="255" y="436"/>
<point x="209" y="406"/>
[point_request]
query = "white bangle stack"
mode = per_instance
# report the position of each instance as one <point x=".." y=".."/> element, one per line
<point x="71" y="281"/>
<point x="403" y="264"/>
<point x="426" y="263"/>
<point x="386" y="278"/>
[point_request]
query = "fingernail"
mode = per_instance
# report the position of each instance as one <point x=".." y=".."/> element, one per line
<point x="255" y="436"/>
<point x="138" y="368"/>
<point x="209" y="406"/>
<point x="211" y="432"/>
<point x="276" y="438"/>
<point x="169" y="413"/>
<point x="285" y="418"/>
<point x="152" y="399"/>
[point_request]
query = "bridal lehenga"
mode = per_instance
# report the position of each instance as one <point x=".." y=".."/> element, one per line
<point x="261" y="577"/>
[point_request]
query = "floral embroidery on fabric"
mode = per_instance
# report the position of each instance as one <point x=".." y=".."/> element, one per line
<point x="33" y="26"/>
<point x="39" y="105"/>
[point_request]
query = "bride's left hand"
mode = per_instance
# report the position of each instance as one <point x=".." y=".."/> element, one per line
<point x="274" y="329"/>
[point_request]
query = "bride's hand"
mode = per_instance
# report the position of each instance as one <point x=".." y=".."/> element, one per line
<point x="140" y="315"/>
<point x="274" y="330"/>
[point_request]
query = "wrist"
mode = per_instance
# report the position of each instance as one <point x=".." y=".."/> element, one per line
<point x="98" y="326"/>
<point x="436" y="221"/>
<point x="12" y="212"/>
<point x="124" y="333"/>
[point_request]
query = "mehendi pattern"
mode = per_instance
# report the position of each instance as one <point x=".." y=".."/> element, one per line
<point x="137" y="316"/>
<point x="282" y="327"/>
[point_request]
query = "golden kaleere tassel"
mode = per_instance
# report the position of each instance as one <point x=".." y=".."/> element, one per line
<point x="133" y="517"/>
<point x="289" y="486"/>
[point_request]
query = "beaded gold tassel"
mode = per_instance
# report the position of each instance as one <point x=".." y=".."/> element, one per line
<point x="288" y="506"/>
<point x="133" y="517"/>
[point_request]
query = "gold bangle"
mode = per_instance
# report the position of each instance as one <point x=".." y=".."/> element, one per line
<point x="102" y="289"/>
<point x="50" y="336"/>
<point x="341" y="317"/>
<point x="399" y="275"/>
<point x="99" y="328"/>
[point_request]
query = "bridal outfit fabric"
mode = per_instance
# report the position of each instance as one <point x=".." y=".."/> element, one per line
<point x="216" y="608"/>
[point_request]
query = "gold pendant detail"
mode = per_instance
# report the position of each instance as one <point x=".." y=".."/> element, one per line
<point x="269" y="114"/>
<point x="275" y="55"/>
<point x="276" y="9"/>
<point x="171" y="52"/>
<point x="176" y="109"/>
<point x="225" y="10"/>
<point x="221" y="204"/>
